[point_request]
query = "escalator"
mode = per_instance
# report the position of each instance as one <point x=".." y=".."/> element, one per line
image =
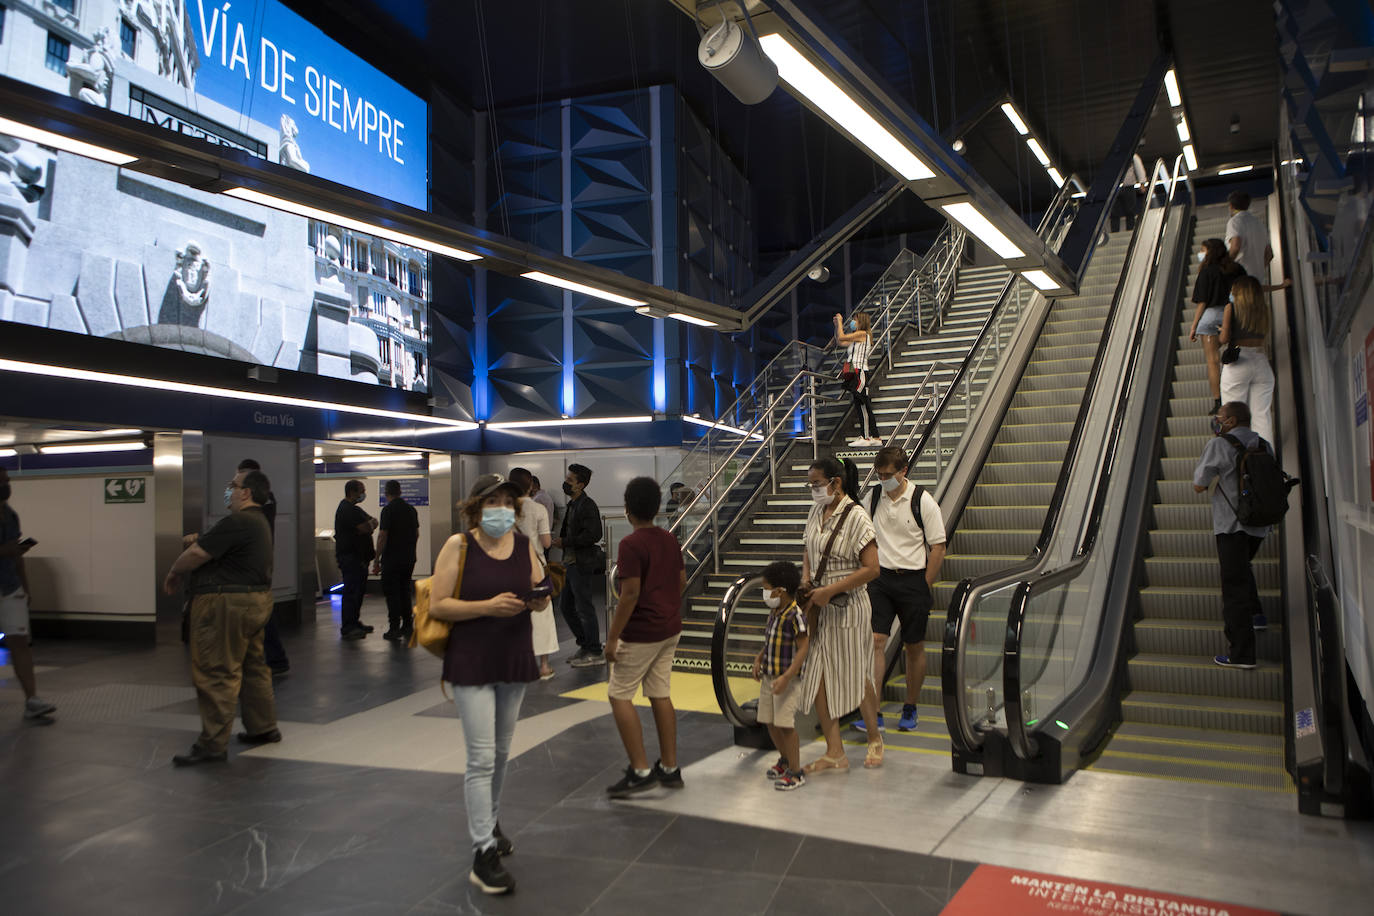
<point x="1184" y="717"/>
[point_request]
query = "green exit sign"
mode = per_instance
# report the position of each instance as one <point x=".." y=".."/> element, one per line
<point x="125" y="489"/>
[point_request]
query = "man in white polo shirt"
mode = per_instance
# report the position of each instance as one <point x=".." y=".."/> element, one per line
<point x="911" y="547"/>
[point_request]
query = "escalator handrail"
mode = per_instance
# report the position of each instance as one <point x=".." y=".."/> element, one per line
<point x="720" y="633"/>
<point x="1023" y="744"/>
<point x="1328" y="665"/>
<point x="970" y="589"/>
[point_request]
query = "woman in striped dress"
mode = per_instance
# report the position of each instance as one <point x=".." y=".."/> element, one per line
<point x="839" y="668"/>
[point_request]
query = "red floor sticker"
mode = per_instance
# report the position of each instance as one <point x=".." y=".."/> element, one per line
<point x="1005" y="890"/>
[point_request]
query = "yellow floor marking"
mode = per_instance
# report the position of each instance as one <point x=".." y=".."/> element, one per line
<point x="690" y="692"/>
<point x="1286" y="790"/>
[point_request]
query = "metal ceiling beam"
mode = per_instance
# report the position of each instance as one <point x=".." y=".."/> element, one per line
<point x="215" y="169"/>
<point x="1093" y="209"/>
<point x="955" y="180"/>
<point x="792" y="271"/>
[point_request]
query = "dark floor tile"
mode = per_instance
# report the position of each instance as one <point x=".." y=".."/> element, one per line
<point x="355" y="812"/>
<point x="162" y="838"/>
<point x="59" y="779"/>
<point x="177" y="895"/>
<point x="713" y="844"/>
<point x="805" y="896"/>
<point x="263" y="858"/>
<point x="539" y="786"/>
<point x="284" y="903"/>
<point x="543" y="885"/>
<point x="666" y="890"/>
<point x="382" y="875"/>
<point x="581" y="832"/>
<point x="840" y="861"/>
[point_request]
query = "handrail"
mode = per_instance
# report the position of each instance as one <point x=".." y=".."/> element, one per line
<point x="1328" y="665"/>
<point x="1022" y="742"/>
<point x="725" y="614"/>
<point x="970" y="589"/>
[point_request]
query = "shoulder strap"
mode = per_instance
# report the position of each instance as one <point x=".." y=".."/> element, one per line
<point x="1235" y="443"/>
<point x="462" y="562"/>
<point x="874" y="493"/>
<point x="825" y="554"/>
<point x="916" y="495"/>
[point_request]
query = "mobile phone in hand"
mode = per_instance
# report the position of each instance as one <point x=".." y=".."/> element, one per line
<point x="27" y="543"/>
<point x="538" y="594"/>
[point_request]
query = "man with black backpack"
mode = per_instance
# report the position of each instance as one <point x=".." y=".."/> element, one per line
<point x="911" y="546"/>
<point x="1251" y="494"/>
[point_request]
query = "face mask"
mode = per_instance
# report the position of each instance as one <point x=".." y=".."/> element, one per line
<point x="567" y="488"/>
<point x="821" y="495"/>
<point x="769" y="600"/>
<point x="1201" y="256"/>
<point x="228" y="497"/>
<point x="361" y="497"/>
<point x="1231" y="298"/>
<point x="4" y="492"/>
<point x="853" y="325"/>
<point x="891" y="484"/>
<point x="1217" y="428"/>
<point x="496" y="521"/>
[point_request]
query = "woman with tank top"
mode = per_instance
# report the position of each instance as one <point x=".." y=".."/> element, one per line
<point x="490" y="655"/>
<point x="1211" y="292"/>
<point x="1249" y="379"/>
<point x="859" y="341"/>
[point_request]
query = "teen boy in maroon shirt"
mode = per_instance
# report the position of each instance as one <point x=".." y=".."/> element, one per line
<point x="642" y="638"/>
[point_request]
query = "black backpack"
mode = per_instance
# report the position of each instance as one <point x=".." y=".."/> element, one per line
<point x="1261" y="485"/>
<point x="876" y="492"/>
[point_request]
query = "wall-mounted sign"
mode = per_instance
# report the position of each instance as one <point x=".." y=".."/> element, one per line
<point x="125" y="490"/>
<point x="414" y="490"/>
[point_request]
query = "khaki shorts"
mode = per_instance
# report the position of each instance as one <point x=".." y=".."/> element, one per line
<point x="14" y="613"/>
<point x="780" y="710"/>
<point x="647" y="663"/>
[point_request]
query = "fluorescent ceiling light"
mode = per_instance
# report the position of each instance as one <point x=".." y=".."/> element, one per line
<point x="722" y="426"/>
<point x="1191" y="155"/>
<point x="348" y="222"/>
<point x="7" y="453"/>
<point x="1039" y="151"/>
<point x="1041" y="279"/>
<point x="551" y="280"/>
<point x="967" y="215"/>
<point x="68" y="372"/>
<point x="1171" y="87"/>
<point x="693" y="319"/>
<point x="1076" y="195"/>
<point x="1183" y="135"/>
<point x="57" y="141"/>
<point x="809" y="81"/>
<point x="91" y="447"/>
<point x="570" y="421"/>
<point x="389" y="459"/>
<point x="98" y="432"/>
<point x="1009" y="110"/>
<point x="1235" y="170"/>
<point x="1056" y="177"/>
<point x="319" y="461"/>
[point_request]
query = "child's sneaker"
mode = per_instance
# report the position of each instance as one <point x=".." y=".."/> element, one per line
<point x="789" y="781"/>
<point x="668" y="780"/>
<point x="778" y="770"/>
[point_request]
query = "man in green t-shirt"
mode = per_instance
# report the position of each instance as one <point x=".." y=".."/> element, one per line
<point x="228" y="573"/>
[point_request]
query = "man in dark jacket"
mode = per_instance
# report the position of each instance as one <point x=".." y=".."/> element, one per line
<point x="395" y="561"/>
<point x="578" y="536"/>
<point x="353" y="550"/>
<point x="228" y="573"/>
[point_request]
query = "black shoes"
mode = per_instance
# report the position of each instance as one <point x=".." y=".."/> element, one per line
<point x="281" y="672"/>
<point x="198" y="754"/>
<point x="504" y="846"/>
<point x="353" y="633"/>
<point x="366" y="628"/>
<point x="632" y="784"/>
<point x="665" y="779"/>
<point x="393" y="635"/>
<point x="271" y="736"/>
<point x="488" y="874"/>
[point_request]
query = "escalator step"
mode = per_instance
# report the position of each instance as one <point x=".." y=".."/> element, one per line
<point x="1200" y="638"/>
<point x="1193" y="603"/>
<point x="1241" y="776"/>
<point x="1212" y="713"/>
<point x="1202" y="571"/>
<point x="1200" y="676"/>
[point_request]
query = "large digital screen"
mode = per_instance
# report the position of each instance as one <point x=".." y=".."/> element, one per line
<point x="109" y="252"/>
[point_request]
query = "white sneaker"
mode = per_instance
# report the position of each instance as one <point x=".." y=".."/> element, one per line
<point x="876" y="441"/>
<point x="857" y="442"/>
<point x="37" y="708"/>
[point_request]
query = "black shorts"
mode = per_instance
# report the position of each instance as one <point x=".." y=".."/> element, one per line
<point x="901" y="594"/>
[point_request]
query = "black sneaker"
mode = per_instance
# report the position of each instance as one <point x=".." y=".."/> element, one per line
<point x="632" y="784"/>
<point x="392" y="635"/>
<point x="590" y="660"/>
<point x="489" y="874"/>
<point x="580" y="653"/>
<point x="668" y="780"/>
<point x="504" y="846"/>
<point x="198" y="754"/>
<point x="353" y="633"/>
<point x="366" y="628"/>
<point x="283" y="671"/>
<point x="271" y="736"/>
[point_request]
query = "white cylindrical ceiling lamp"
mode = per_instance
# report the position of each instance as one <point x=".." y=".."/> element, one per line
<point x="732" y="56"/>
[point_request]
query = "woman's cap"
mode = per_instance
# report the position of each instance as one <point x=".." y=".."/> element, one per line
<point x="489" y="484"/>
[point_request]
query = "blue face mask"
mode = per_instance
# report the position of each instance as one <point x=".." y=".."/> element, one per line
<point x="1231" y="298"/>
<point x="853" y="325"/>
<point x="1201" y="256"/>
<point x="497" y="520"/>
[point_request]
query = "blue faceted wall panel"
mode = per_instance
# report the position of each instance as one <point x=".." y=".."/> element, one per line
<point x="524" y="380"/>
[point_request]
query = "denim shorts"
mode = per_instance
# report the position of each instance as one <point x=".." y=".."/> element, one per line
<point x="1210" y="322"/>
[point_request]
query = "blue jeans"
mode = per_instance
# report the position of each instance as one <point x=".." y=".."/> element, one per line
<point x="488" y="713"/>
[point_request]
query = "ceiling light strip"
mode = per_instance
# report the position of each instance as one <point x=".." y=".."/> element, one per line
<point x="1014" y="117"/>
<point x="735" y="430"/>
<point x="1041" y="279"/>
<point x="569" y="421"/>
<point x="58" y="141"/>
<point x="844" y="111"/>
<point x="348" y="222"/>
<point x="92" y="447"/>
<point x="966" y="215"/>
<point x="68" y="372"/>
<point x="551" y="280"/>
<point x="1235" y="170"/>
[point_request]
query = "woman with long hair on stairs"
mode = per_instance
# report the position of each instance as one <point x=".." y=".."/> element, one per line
<point x="1249" y="378"/>
<point x="840" y="558"/>
<point x="1211" y="292"/>
<point x="858" y="337"/>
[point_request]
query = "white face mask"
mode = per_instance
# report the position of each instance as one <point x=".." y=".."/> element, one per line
<point x="891" y="484"/>
<point x="1201" y="256"/>
<point x="821" y="495"/>
<point x="769" y="600"/>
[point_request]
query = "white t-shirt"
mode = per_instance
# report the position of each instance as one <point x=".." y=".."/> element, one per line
<point x="1247" y="227"/>
<point x="859" y="351"/>
<point x="900" y="545"/>
<point x="532" y="521"/>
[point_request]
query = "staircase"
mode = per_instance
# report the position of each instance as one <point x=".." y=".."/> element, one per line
<point x="774" y="527"/>
<point x="1185" y="717"/>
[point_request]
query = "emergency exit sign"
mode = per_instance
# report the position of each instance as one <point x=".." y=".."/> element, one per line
<point x="125" y="490"/>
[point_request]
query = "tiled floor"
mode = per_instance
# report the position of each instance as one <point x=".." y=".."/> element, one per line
<point x="360" y="810"/>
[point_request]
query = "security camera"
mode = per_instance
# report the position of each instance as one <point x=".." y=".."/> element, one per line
<point x="820" y="273"/>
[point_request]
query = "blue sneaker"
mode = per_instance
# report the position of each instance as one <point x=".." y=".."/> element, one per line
<point x="1226" y="661"/>
<point x="909" y="718"/>
<point x="858" y="724"/>
<point x="1260" y="622"/>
